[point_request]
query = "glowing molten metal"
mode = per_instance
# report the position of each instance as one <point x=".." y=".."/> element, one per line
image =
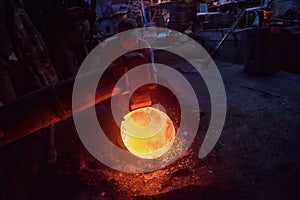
<point x="147" y="132"/>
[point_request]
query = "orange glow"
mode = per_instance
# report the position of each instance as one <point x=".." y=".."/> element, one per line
<point x="147" y="132"/>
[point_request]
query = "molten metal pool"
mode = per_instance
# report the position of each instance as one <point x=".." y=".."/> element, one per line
<point x="147" y="132"/>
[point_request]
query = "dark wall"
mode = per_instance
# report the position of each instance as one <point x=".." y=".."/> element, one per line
<point x="281" y="6"/>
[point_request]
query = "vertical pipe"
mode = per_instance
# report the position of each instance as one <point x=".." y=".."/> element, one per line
<point x="144" y="13"/>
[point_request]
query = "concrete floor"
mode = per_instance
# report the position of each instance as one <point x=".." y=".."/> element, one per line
<point x="257" y="156"/>
<point x="259" y="147"/>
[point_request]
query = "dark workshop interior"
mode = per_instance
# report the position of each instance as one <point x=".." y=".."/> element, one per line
<point x="253" y="45"/>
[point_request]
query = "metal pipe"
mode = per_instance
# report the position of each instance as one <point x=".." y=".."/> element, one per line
<point x="92" y="21"/>
<point x="214" y="51"/>
<point x="44" y="107"/>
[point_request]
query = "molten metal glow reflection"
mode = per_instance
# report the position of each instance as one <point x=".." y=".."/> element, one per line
<point x="147" y="132"/>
